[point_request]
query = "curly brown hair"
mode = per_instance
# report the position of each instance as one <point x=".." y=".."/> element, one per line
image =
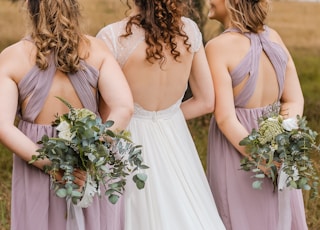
<point x="55" y="29"/>
<point x="248" y="15"/>
<point x="161" y="21"/>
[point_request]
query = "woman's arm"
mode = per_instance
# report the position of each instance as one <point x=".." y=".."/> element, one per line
<point x="114" y="90"/>
<point x="224" y="112"/>
<point x="202" y="100"/>
<point x="10" y="135"/>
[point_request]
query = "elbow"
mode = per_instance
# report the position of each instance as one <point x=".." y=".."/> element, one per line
<point x="302" y="102"/>
<point x="130" y="111"/>
<point x="127" y="113"/>
<point x="208" y="107"/>
<point x="224" y="122"/>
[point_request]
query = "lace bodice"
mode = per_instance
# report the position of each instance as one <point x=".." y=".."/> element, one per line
<point x="122" y="47"/>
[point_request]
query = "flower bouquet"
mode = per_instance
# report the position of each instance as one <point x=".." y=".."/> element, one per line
<point x="85" y="143"/>
<point x="285" y="141"/>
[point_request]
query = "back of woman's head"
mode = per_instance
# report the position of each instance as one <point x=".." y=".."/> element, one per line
<point x="161" y="21"/>
<point x="248" y="15"/>
<point x="55" y="30"/>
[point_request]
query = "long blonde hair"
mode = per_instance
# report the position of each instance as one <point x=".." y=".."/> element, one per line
<point x="248" y="15"/>
<point x="55" y="29"/>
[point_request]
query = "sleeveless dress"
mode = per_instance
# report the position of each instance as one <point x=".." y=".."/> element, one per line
<point x="177" y="194"/>
<point x="240" y="206"/>
<point x="34" y="204"/>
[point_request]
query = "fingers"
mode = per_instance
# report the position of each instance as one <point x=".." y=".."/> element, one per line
<point x="80" y="178"/>
<point x="80" y="174"/>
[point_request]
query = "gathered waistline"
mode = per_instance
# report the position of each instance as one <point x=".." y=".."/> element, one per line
<point x="140" y="112"/>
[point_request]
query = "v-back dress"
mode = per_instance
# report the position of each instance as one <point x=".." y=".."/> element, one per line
<point x="34" y="204"/>
<point x="240" y="206"/>
<point x="177" y="194"/>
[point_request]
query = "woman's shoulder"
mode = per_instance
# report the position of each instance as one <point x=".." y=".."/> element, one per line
<point x="20" y="52"/>
<point x="112" y="27"/>
<point x="190" y="24"/>
<point x="273" y="35"/>
<point x="192" y="30"/>
<point x="97" y="47"/>
<point x="226" y="40"/>
<point x="228" y="48"/>
<point x="188" y="20"/>
<point x="18" y="47"/>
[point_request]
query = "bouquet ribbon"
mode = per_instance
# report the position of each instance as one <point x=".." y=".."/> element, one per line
<point x="285" y="217"/>
<point x="75" y="218"/>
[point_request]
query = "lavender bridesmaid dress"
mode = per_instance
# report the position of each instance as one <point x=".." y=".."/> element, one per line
<point x="34" y="204"/>
<point x="240" y="206"/>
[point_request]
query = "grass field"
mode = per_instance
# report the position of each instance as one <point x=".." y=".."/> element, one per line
<point x="296" y="22"/>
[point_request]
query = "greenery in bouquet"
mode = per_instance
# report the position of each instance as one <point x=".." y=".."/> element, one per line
<point x="286" y="141"/>
<point x="85" y="143"/>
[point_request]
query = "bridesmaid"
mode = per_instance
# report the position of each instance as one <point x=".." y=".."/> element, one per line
<point x="251" y="69"/>
<point x="54" y="59"/>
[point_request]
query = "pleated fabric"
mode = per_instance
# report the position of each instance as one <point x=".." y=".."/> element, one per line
<point x="240" y="206"/>
<point x="177" y="194"/>
<point x="34" y="204"/>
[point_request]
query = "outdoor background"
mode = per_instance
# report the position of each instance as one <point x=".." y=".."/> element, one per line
<point x="297" y="23"/>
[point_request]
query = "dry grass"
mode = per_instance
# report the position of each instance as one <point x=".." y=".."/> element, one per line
<point x="296" y="22"/>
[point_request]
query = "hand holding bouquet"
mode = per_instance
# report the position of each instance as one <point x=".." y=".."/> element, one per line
<point x="288" y="142"/>
<point x="87" y="144"/>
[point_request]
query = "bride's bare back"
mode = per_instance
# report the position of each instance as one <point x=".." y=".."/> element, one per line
<point x="156" y="86"/>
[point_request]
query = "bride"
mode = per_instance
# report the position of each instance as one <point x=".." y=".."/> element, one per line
<point x="160" y="51"/>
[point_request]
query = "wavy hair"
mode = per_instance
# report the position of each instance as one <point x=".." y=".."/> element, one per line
<point x="161" y="21"/>
<point x="248" y="15"/>
<point x="55" y="29"/>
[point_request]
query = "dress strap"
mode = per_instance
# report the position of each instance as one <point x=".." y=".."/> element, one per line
<point x="37" y="88"/>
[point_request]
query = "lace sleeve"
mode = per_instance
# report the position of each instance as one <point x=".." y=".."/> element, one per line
<point x="194" y="34"/>
<point x="121" y="47"/>
<point x="108" y="36"/>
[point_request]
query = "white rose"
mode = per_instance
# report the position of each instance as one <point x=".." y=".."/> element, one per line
<point x="64" y="131"/>
<point x="272" y="119"/>
<point x="290" y="124"/>
<point x="66" y="134"/>
<point x="63" y="126"/>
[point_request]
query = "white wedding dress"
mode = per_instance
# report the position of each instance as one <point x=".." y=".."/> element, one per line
<point x="177" y="195"/>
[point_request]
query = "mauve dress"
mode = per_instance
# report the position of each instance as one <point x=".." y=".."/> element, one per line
<point x="34" y="204"/>
<point x="240" y="206"/>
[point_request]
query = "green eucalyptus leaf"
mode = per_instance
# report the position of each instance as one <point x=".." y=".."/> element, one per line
<point x="260" y="176"/>
<point x="142" y="176"/>
<point x="271" y="142"/>
<point x="76" y="193"/>
<point x="113" y="198"/>
<point x="62" y="192"/>
<point x="109" y="157"/>
<point x="257" y="184"/>
<point x="140" y="184"/>
<point x="293" y="184"/>
<point x="306" y="187"/>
